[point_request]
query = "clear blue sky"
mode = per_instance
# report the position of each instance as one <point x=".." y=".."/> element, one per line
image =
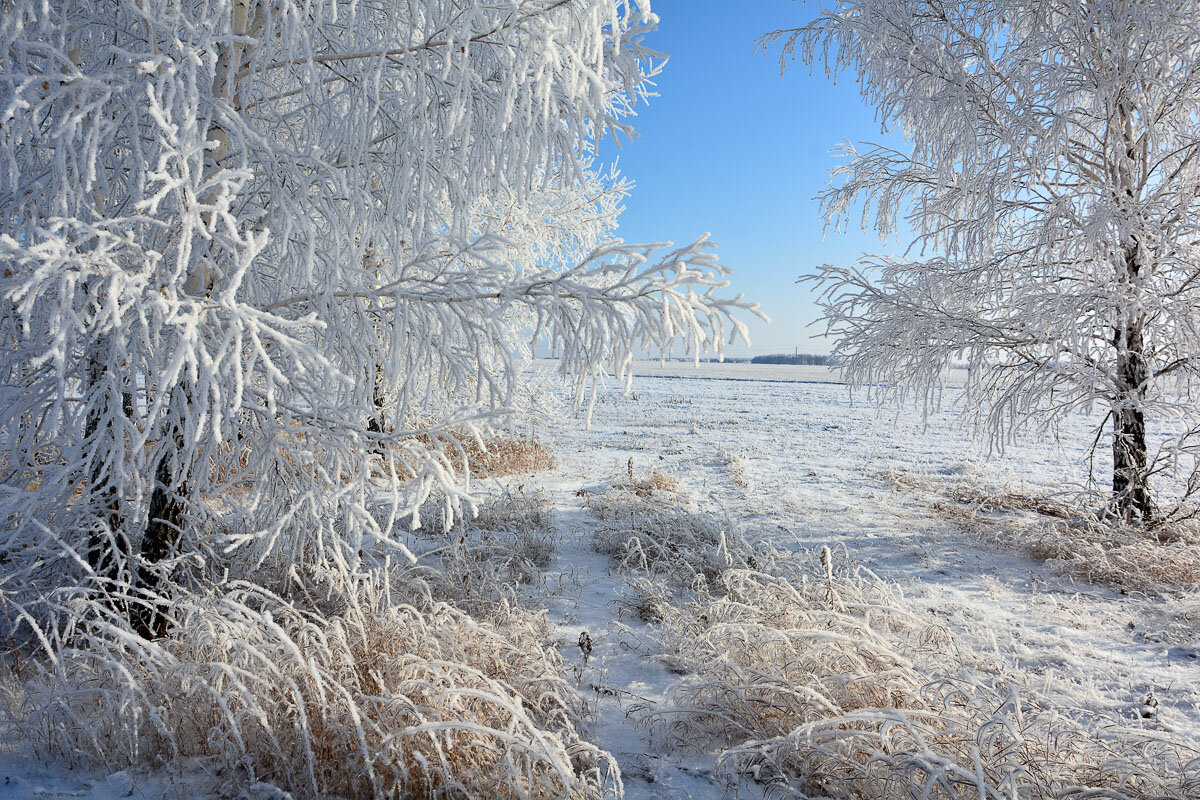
<point x="732" y="148"/>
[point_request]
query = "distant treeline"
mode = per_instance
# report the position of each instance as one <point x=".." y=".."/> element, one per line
<point x="805" y="359"/>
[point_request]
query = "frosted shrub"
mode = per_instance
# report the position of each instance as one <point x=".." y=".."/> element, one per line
<point x="819" y="684"/>
<point x="518" y="511"/>
<point x="483" y="572"/>
<point x="498" y="456"/>
<point x="380" y="699"/>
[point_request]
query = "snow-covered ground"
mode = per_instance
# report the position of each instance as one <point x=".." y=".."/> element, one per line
<point x="786" y="454"/>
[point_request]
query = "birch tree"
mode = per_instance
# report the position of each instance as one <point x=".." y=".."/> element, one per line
<point x="262" y="259"/>
<point x="1051" y="181"/>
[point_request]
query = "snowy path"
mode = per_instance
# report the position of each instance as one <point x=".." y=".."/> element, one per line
<point x="620" y="677"/>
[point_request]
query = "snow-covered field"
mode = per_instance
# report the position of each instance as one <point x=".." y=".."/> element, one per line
<point x="785" y="456"/>
<point x="742" y="371"/>
<point x="793" y="460"/>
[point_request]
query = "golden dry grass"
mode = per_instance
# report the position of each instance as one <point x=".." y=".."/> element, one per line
<point x="667" y="541"/>
<point x="645" y="484"/>
<point x="1074" y="540"/>
<point x="819" y="683"/>
<point x="651" y="484"/>
<point x="375" y="700"/>
<point x="499" y="456"/>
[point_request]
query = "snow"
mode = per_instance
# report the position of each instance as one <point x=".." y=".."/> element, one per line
<point x="794" y="460"/>
<point x="744" y="371"/>
<point x="814" y="466"/>
<point x="27" y="777"/>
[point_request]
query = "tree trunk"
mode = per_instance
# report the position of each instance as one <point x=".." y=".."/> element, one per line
<point x="373" y="264"/>
<point x="167" y="516"/>
<point x="378" y="421"/>
<point x="107" y="548"/>
<point x="1131" y="479"/>
<point x="168" y="508"/>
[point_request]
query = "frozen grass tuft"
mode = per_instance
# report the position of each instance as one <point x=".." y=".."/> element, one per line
<point x="380" y="699"/>
<point x="646" y="598"/>
<point x="818" y="683"/>
<point x="644" y="485"/>
<point x="650" y="484"/>
<point x="507" y="511"/>
<point x="665" y="539"/>
<point x="484" y="572"/>
<point x="735" y="467"/>
<point x="1107" y="552"/>
<point x="1104" y="551"/>
<point x="499" y="456"/>
<point x="482" y="567"/>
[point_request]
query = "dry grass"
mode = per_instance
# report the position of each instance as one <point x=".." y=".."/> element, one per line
<point x="665" y="539"/>
<point x="483" y="573"/>
<point x="645" y="484"/>
<point x="381" y="699"/>
<point x="983" y="501"/>
<point x="482" y="567"/>
<point x="645" y="598"/>
<point x="665" y="547"/>
<point x="735" y="467"/>
<point x="1107" y="552"/>
<point x="1076" y="541"/>
<point x="507" y="511"/>
<point x="652" y="483"/>
<point x="818" y="683"/>
<point x="500" y="456"/>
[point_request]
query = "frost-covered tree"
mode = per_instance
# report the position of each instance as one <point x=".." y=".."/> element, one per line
<point x="262" y="259"/>
<point x="1051" y="179"/>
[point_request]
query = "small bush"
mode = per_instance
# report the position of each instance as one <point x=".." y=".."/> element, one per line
<point x="481" y="568"/>
<point x="482" y="572"/>
<point x="518" y="511"/>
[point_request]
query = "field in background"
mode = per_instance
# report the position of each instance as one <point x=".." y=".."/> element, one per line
<point x="709" y="370"/>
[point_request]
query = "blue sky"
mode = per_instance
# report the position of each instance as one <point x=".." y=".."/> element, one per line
<point x="732" y="148"/>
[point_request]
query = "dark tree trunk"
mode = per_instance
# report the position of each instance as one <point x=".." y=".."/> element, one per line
<point x="378" y="421"/>
<point x="1131" y="489"/>
<point x="165" y="524"/>
<point x="1131" y="498"/>
<point x="108" y="547"/>
<point x="1131" y="478"/>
